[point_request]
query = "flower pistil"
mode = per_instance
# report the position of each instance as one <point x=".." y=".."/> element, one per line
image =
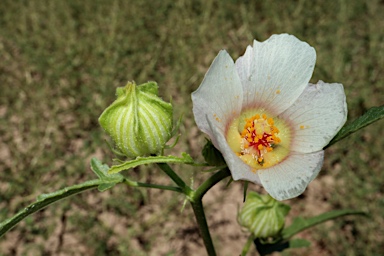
<point x="259" y="137"/>
<point x="257" y="140"/>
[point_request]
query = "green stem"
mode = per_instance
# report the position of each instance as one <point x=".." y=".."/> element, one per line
<point x="176" y="178"/>
<point x="195" y="198"/>
<point x="45" y="200"/>
<point x="198" y="209"/>
<point x="247" y="245"/>
<point x="210" y="182"/>
<point x="149" y="185"/>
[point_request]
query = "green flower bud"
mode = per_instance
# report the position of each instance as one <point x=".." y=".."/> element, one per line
<point x="139" y="122"/>
<point x="262" y="215"/>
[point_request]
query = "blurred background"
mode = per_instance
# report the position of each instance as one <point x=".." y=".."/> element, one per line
<point x="60" y="63"/>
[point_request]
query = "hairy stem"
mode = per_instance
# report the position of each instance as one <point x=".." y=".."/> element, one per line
<point x="176" y="178"/>
<point x="247" y="245"/>
<point x="198" y="209"/>
<point x="150" y="185"/>
<point x="211" y="181"/>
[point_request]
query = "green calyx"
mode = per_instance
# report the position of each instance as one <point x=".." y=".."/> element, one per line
<point x="262" y="215"/>
<point x="211" y="155"/>
<point x="139" y="122"/>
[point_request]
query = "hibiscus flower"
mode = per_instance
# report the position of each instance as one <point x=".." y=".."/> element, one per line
<point x="264" y="116"/>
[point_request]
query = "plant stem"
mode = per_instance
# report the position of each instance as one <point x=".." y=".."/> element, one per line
<point x="203" y="226"/>
<point x="170" y="188"/>
<point x="247" y="245"/>
<point x="198" y="209"/>
<point x="176" y="178"/>
<point x="195" y="198"/>
<point x="210" y="182"/>
<point x="45" y="200"/>
<point x="150" y="185"/>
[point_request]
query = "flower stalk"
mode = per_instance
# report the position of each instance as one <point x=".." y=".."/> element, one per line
<point x="198" y="210"/>
<point x="149" y="185"/>
<point x="176" y="178"/>
<point x="247" y="245"/>
<point x="195" y="198"/>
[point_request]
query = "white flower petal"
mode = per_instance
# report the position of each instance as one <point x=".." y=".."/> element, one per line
<point x="280" y="69"/>
<point x="243" y="64"/>
<point x="239" y="169"/>
<point x="219" y="96"/>
<point x="289" y="178"/>
<point x="316" y="116"/>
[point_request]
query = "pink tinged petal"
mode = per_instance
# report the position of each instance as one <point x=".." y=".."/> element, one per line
<point x="219" y="96"/>
<point x="239" y="169"/>
<point x="280" y="69"/>
<point x="316" y="116"/>
<point x="290" y="178"/>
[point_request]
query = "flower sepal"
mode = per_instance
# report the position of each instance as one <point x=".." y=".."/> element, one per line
<point x="263" y="216"/>
<point x="212" y="156"/>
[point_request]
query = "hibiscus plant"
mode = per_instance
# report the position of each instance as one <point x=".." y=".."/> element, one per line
<point x="265" y="124"/>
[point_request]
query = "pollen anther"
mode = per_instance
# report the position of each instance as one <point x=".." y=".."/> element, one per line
<point x="259" y="137"/>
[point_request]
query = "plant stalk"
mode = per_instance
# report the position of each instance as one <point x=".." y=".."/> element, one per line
<point x="203" y="226"/>
<point x="211" y="181"/>
<point x="176" y="178"/>
<point x="150" y="185"/>
<point x="247" y="245"/>
<point x="198" y="209"/>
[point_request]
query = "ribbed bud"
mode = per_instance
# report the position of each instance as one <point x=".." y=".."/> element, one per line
<point x="262" y="215"/>
<point x="138" y="121"/>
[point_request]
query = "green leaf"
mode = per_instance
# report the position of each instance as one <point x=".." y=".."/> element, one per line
<point x="372" y="115"/>
<point x="245" y="190"/>
<point x="177" y="127"/>
<point x="284" y="209"/>
<point x="105" y="186"/>
<point x="44" y="200"/>
<point x="98" y="168"/>
<point x="299" y="224"/>
<point x="101" y="170"/>
<point x="174" y="133"/>
<point x="229" y="181"/>
<point x="185" y="159"/>
<point x="299" y="243"/>
<point x="104" y="182"/>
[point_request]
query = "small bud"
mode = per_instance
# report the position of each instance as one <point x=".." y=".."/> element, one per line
<point x="211" y="155"/>
<point x="262" y="215"/>
<point x="139" y="122"/>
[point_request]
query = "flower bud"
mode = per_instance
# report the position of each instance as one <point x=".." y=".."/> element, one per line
<point x="262" y="215"/>
<point x="139" y="122"/>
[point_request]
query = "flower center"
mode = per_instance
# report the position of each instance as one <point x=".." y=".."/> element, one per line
<point x="258" y="139"/>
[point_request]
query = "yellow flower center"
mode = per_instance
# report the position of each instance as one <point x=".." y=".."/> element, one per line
<point x="259" y="136"/>
<point x="258" y="139"/>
